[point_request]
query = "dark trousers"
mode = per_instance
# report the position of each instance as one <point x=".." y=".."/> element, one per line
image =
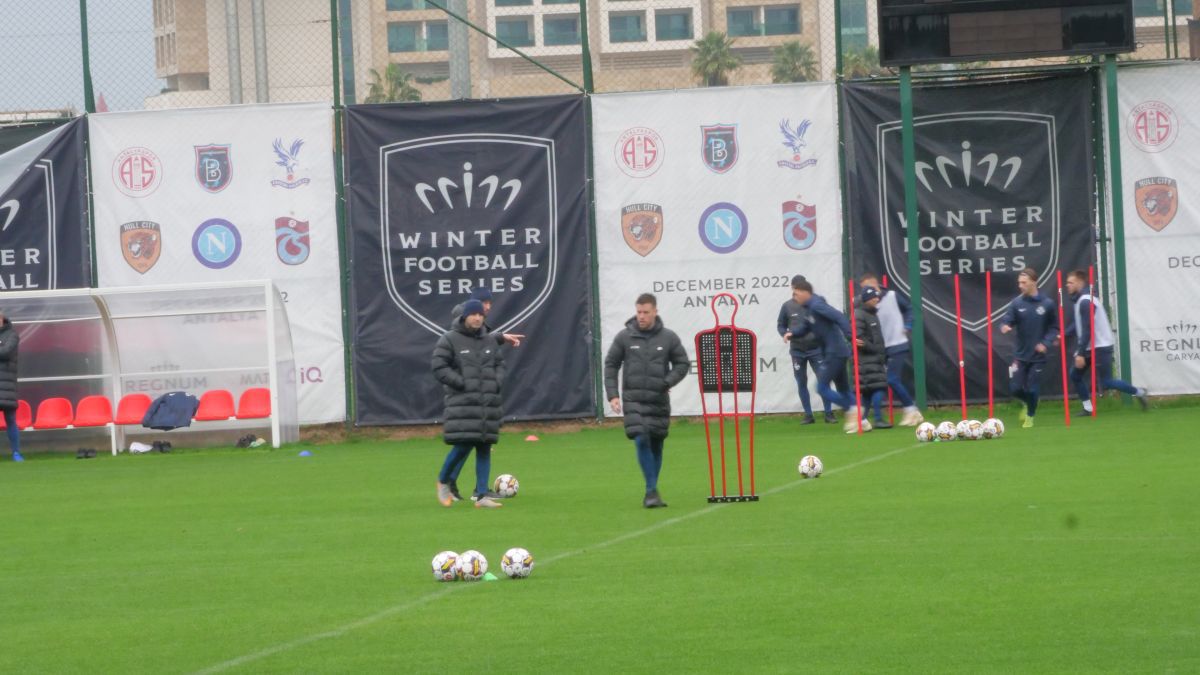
<point x="457" y="458"/>
<point x="14" y="434"/>
<point x="801" y="362"/>
<point x="650" y="458"/>
<point x="833" y="371"/>
<point x="1025" y="381"/>
<point x="895" y="371"/>
<point x="1082" y="377"/>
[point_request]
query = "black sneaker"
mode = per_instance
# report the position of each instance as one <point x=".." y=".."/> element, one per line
<point x="454" y="491"/>
<point x="808" y="419"/>
<point x="653" y="500"/>
<point x="830" y="419"/>
<point x="882" y="424"/>
<point x="488" y="494"/>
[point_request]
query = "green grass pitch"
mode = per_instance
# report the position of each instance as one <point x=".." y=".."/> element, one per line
<point x="1051" y="550"/>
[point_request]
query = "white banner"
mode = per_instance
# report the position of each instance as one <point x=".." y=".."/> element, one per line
<point x="224" y="194"/>
<point x="1160" y="164"/>
<point x="706" y="191"/>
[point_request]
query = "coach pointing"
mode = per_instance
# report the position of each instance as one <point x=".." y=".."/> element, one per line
<point x="654" y="361"/>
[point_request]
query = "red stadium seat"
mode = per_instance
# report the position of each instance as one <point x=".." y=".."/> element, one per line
<point x="93" y="411"/>
<point x="54" y="413"/>
<point x="132" y="408"/>
<point x="254" y="404"/>
<point x="215" y="405"/>
<point x="24" y="415"/>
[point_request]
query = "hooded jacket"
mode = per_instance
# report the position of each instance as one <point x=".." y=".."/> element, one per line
<point x="654" y="361"/>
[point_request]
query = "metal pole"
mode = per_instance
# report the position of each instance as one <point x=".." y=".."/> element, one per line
<point x="262" y="92"/>
<point x="89" y="97"/>
<point x="342" y="220"/>
<point x="585" y="42"/>
<point x="1118" y="202"/>
<point x="460" y="52"/>
<point x="345" y="34"/>
<point x="334" y="28"/>
<point x="233" y="51"/>
<point x="910" y="215"/>
<point x="1101" y="231"/>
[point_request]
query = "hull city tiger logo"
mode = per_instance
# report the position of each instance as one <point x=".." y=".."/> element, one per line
<point x="642" y="227"/>
<point x="799" y="225"/>
<point x="1153" y="126"/>
<point x="291" y="240"/>
<point x="469" y="210"/>
<point x="137" y="172"/>
<point x="983" y="205"/>
<point x="1157" y="200"/>
<point x="214" y="167"/>
<point x="719" y="147"/>
<point x="141" y="244"/>
<point x="639" y="152"/>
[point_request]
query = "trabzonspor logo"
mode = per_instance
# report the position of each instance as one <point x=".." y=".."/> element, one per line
<point x="723" y="227"/>
<point x="291" y="240"/>
<point x="217" y="243"/>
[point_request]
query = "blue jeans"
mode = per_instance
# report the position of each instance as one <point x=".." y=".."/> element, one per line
<point x="457" y="458"/>
<point x="801" y="361"/>
<point x="895" y="372"/>
<point x="14" y="434"/>
<point x="1082" y="377"/>
<point x="650" y="457"/>
<point x="833" y="370"/>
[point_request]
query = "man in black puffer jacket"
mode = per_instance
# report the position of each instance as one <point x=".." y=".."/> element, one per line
<point x="872" y="354"/>
<point x="9" y="341"/>
<point x="468" y="363"/>
<point x="654" y="361"/>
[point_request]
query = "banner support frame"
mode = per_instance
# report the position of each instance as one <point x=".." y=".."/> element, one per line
<point x="1118" y="206"/>
<point x="908" y="143"/>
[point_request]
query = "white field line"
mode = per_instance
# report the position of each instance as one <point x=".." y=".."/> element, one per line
<point x="429" y="597"/>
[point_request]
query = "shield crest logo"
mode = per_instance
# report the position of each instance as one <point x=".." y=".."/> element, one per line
<point x="1157" y="201"/>
<point x="984" y="203"/>
<point x="291" y="240"/>
<point x="642" y="227"/>
<point x="799" y="225"/>
<point x="465" y="209"/>
<point x="214" y="167"/>
<point x="141" y="244"/>
<point x="719" y="147"/>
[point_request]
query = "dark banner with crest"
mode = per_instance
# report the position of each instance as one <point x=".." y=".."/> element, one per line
<point x="43" y="212"/>
<point x="448" y="197"/>
<point x="1004" y="181"/>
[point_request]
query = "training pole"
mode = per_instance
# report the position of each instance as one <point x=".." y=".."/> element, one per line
<point x="891" y="413"/>
<point x="1062" y="351"/>
<point x="987" y="280"/>
<point x="854" y="345"/>
<point x="962" y="370"/>
<point x="1092" y="321"/>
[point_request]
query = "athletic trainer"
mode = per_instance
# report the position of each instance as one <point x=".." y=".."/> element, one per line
<point x="804" y="350"/>
<point x="1032" y="316"/>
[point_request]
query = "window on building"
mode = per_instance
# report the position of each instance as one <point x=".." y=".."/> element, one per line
<point x="437" y="36"/>
<point x="560" y="29"/>
<point x="627" y="27"/>
<point x="515" y="31"/>
<point x="854" y="24"/>
<point x="405" y="5"/>
<point x="673" y="24"/>
<point x="742" y="21"/>
<point x="560" y="2"/>
<point x="781" y="20"/>
<point x="513" y="3"/>
<point x="403" y="37"/>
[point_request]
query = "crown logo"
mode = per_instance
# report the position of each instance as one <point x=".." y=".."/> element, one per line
<point x="1182" y="328"/>
<point x="468" y="186"/>
<point x="966" y="163"/>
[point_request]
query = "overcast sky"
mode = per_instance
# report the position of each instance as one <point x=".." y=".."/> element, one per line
<point x="43" y="65"/>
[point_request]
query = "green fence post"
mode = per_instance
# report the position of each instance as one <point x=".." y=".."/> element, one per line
<point x="1114" y="158"/>
<point x="89" y="97"/>
<point x="1101" y="187"/>
<point x="910" y="216"/>
<point x="589" y="86"/>
<point x="340" y="188"/>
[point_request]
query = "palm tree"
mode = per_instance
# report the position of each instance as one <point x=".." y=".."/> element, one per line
<point x="861" y="63"/>
<point x="794" y="62"/>
<point x="713" y="59"/>
<point x="394" y="85"/>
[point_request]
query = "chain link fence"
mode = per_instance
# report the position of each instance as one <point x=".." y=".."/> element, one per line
<point x="189" y="53"/>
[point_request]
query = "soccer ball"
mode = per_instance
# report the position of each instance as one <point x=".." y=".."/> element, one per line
<point x="811" y="467"/>
<point x="506" y="485"/>
<point x="946" y="431"/>
<point x="445" y="566"/>
<point x="517" y="563"/>
<point x="969" y="430"/>
<point x="993" y="428"/>
<point x="926" y="432"/>
<point x="472" y="565"/>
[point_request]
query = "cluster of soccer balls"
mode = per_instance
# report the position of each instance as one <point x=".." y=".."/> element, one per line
<point x="966" y="430"/>
<point x="517" y="563"/>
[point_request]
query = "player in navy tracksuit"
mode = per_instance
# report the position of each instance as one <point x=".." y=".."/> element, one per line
<point x="1033" y="316"/>
<point x="1081" y="295"/>
<point x="832" y="331"/>
<point x="805" y="351"/>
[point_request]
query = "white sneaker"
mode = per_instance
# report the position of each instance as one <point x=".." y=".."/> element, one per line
<point x="912" y="417"/>
<point x="850" y="421"/>
<point x="1087" y="406"/>
<point x="487" y="503"/>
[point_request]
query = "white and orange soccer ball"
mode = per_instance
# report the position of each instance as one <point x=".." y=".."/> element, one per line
<point x="969" y="430"/>
<point x="811" y="467"/>
<point x="472" y="565"/>
<point x="506" y="485"/>
<point x="926" y="432"/>
<point x="445" y="566"/>
<point x="946" y="431"/>
<point x="993" y="428"/>
<point x="517" y="563"/>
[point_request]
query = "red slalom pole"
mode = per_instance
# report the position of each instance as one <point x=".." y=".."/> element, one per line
<point x="1092" y="320"/>
<point x="1062" y="350"/>
<point x="854" y="345"/>
<point x="962" y="371"/>
<point x="891" y="410"/>
<point x="987" y="277"/>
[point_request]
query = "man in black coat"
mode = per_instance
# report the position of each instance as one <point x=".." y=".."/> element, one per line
<point x="9" y="341"/>
<point x="654" y="361"/>
<point x="872" y="354"/>
<point x="468" y="363"/>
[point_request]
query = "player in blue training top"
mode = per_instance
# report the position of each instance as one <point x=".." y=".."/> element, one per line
<point x="832" y="331"/>
<point x="1032" y="314"/>
<point x="1077" y="285"/>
